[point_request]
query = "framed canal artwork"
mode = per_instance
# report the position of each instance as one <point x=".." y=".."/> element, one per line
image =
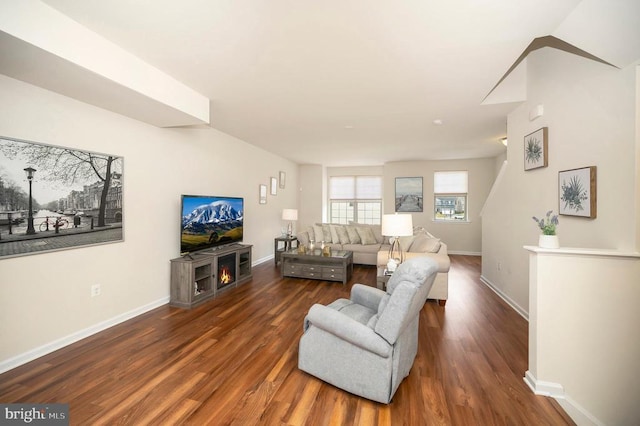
<point x="56" y="198"/>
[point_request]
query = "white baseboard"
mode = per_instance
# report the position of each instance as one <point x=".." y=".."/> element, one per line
<point x="464" y="253"/>
<point x="45" y="349"/>
<point x="79" y="335"/>
<point x="577" y="413"/>
<point x="263" y="260"/>
<point x="556" y="391"/>
<point x="519" y="309"/>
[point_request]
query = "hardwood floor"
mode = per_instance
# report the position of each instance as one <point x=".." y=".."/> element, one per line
<point x="234" y="360"/>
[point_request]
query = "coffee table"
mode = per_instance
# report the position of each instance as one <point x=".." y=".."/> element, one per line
<point x="313" y="264"/>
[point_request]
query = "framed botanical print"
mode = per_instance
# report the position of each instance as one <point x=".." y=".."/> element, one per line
<point x="535" y="149"/>
<point x="577" y="192"/>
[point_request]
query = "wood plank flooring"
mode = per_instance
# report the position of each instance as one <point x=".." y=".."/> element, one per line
<point x="233" y="360"/>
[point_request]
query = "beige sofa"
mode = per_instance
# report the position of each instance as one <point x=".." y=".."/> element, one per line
<point x="370" y="247"/>
<point x="365" y="241"/>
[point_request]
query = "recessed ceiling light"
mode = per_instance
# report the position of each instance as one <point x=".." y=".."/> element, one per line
<point x="437" y="122"/>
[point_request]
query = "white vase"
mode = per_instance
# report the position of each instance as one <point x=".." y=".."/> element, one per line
<point x="549" y="241"/>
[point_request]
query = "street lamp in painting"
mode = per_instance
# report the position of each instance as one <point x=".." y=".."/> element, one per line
<point x="30" y="229"/>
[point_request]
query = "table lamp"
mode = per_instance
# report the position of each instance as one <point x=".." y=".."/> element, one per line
<point x="395" y="226"/>
<point x="290" y="215"/>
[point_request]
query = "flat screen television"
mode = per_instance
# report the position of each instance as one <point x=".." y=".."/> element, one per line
<point x="208" y="222"/>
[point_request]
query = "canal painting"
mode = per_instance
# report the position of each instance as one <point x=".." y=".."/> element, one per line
<point x="54" y="198"/>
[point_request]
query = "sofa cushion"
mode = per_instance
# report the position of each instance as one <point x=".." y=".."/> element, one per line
<point x="366" y="235"/>
<point x="377" y="230"/>
<point x="326" y="233"/>
<point x="372" y="322"/>
<point x="357" y="312"/>
<point x="315" y="233"/>
<point x="362" y="248"/>
<point x="335" y="238"/>
<point x="424" y="244"/>
<point x="405" y="242"/>
<point x="354" y="237"/>
<point x="343" y="236"/>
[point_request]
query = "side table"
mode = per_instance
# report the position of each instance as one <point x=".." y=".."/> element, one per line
<point x="282" y="244"/>
<point x="382" y="277"/>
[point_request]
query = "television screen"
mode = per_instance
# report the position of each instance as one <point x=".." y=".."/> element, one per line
<point x="210" y="222"/>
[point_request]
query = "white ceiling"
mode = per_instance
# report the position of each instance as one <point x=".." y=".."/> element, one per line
<point x="339" y="82"/>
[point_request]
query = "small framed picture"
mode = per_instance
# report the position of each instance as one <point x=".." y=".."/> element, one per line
<point x="282" y="177"/>
<point x="535" y="149"/>
<point x="274" y="186"/>
<point x="262" y="191"/>
<point x="577" y="192"/>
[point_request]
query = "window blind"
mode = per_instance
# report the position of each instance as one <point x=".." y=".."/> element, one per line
<point x="355" y="187"/>
<point x="454" y="182"/>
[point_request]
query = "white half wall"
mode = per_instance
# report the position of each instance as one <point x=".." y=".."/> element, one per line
<point x="583" y="330"/>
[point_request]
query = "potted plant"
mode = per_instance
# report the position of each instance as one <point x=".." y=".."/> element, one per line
<point x="548" y="224"/>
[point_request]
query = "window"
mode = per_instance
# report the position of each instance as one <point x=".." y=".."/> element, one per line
<point x="355" y="199"/>
<point x="450" y="195"/>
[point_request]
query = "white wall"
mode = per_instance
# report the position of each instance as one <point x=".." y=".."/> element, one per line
<point x="461" y="238"/>
<point x="311" y="191"/>
<point x="314" y="184"/>
<point x="637" y="184"/>
<point x="44" y="298"/>
<point x="589" y="109"/>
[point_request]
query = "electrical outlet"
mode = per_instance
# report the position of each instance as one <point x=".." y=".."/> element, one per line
<point x="95" y="290"/>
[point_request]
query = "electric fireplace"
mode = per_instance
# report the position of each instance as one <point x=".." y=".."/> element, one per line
<point x="226" y="270"/>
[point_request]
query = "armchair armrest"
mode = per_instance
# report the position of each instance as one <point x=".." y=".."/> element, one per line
<point x="347" y="329"/>
<point x="366" y="296"/>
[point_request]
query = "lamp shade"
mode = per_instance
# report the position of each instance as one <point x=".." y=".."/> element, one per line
<point x="289" y="214"/>
<point x="397" y="225"/>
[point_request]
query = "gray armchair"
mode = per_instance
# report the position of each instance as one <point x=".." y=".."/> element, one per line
<point x="366" y="345"/>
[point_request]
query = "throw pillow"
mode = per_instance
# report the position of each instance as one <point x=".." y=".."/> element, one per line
<point x="318" y="234"/>
<point x="354" y="238"/>
<point x="377" y="230"/>
<point x="335" y="238"/>
<point x="405" y="242"/>
<point x="424" y="244"/>
<point x="366" y="235"/>
<point x="342" y="235"/>
<point x="326" y="233"/>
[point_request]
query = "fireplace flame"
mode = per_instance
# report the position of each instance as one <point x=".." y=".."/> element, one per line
<point x="225" y="276"/>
